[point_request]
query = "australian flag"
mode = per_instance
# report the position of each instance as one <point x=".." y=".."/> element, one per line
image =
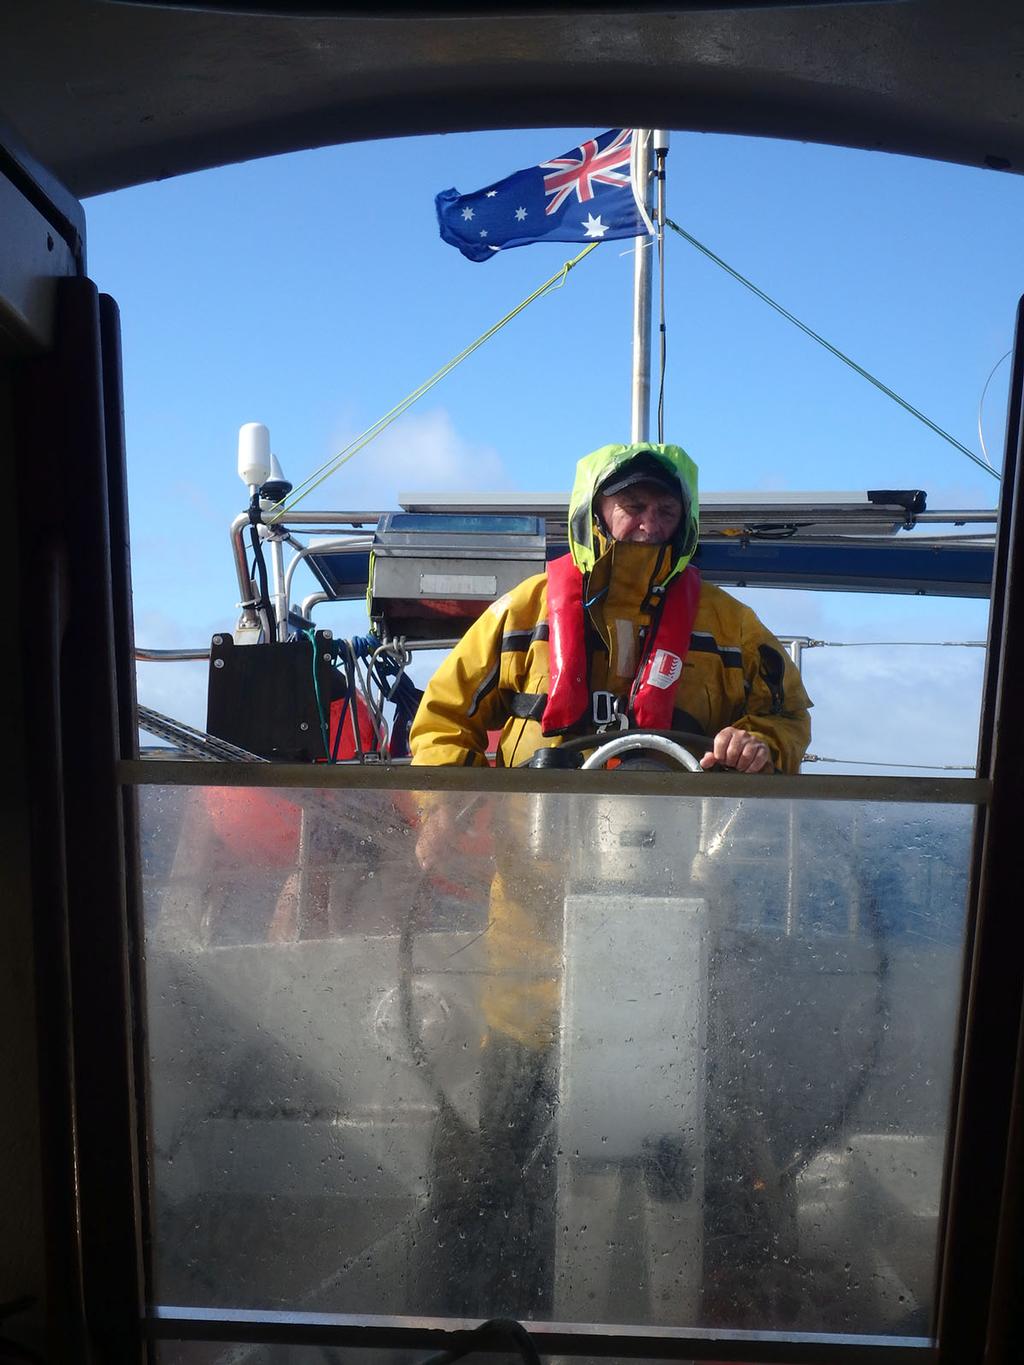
<point x="588" y="195"/>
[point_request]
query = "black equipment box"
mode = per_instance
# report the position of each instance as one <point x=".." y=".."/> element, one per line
<point x="262" y="697"/>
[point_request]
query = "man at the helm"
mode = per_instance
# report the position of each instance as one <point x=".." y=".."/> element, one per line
<point x="623" y="626"/>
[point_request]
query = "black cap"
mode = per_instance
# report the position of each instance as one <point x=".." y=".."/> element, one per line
<point x="642" y="468"/>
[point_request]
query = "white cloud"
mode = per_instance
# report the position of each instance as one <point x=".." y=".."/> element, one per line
<point x="422" y="451"/>
<point x="176" y="689"/>
<point x="157" y="630"/>
<point x="787" y="611"/>
<point x="890" y="704"/>
<point x="895" y="705"/>
<point x="976" y="490"/>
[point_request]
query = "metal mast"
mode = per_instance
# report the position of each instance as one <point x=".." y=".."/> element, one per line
<point x="648" y="141"/>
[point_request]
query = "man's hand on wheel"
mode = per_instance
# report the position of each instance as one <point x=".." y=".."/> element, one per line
<point x="455" y="837"/>
<point x="435" y="838"/>
<point x="739" y="749"/>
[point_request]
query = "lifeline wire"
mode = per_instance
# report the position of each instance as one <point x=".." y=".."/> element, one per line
<point x="877" y="763"/>
<point x="932" y="644"/>
<point x="858" y="369"/>
<point x="318" y="476"/>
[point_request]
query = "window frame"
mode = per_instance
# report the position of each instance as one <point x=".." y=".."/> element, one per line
<point x="92" y="992"/>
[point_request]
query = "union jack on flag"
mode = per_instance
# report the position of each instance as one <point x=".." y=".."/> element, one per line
<point x="587" y="166"/>
<point x="589" y="194"/>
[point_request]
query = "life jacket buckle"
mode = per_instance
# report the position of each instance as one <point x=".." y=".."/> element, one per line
<point x="605" y="711"/>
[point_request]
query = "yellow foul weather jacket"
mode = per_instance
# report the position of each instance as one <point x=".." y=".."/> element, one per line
<point x="735" y="672"/>
<point x="497" y="679"/>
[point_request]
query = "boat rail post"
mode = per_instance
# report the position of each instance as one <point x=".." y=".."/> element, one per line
<point x="281" y="604"/>
<point x="249" y="620"/>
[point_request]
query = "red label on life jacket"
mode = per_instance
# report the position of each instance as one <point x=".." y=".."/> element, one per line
<point x="665" y="668"/>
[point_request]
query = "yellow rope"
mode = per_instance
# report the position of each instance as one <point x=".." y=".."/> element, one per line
<point x="318" y="476"/>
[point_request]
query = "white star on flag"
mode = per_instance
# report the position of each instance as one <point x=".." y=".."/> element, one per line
<point x="483" y="232"/>
<point x="520" y="215"/>
<point x="467" y="213"/>
<point x="593" y="227"/>
<point x="491" y="194"/>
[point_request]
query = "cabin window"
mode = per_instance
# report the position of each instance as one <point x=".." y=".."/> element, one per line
<point x="655" y="1057"/>
<point x="657" y="1060"/>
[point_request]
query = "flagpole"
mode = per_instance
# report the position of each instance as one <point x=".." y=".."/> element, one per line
<point x="660" y="144"/>
<point x="640" y="424"/>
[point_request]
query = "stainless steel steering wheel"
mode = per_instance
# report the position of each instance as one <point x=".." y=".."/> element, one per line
<point x="635" y="740"/>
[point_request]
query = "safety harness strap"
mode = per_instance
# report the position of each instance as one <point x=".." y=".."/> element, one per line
<point x="653" y="693"/>
<point x="568" y="691"/>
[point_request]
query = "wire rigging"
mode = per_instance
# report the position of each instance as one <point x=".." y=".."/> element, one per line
<point x="834" y="350"/>
<point x="302" y="490"/>
<point x="556" y="281"/>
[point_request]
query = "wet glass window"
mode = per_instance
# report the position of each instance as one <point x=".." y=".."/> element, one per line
<point x="657" y="1061"/>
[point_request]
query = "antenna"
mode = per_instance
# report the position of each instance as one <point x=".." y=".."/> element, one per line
<point x="276" y="487"/>
<point x="254" y="458"/>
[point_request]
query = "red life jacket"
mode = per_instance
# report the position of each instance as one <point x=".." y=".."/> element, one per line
<point x="652" y="698"/>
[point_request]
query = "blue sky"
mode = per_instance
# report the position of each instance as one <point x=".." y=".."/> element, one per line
<point x="311" y="292"/>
